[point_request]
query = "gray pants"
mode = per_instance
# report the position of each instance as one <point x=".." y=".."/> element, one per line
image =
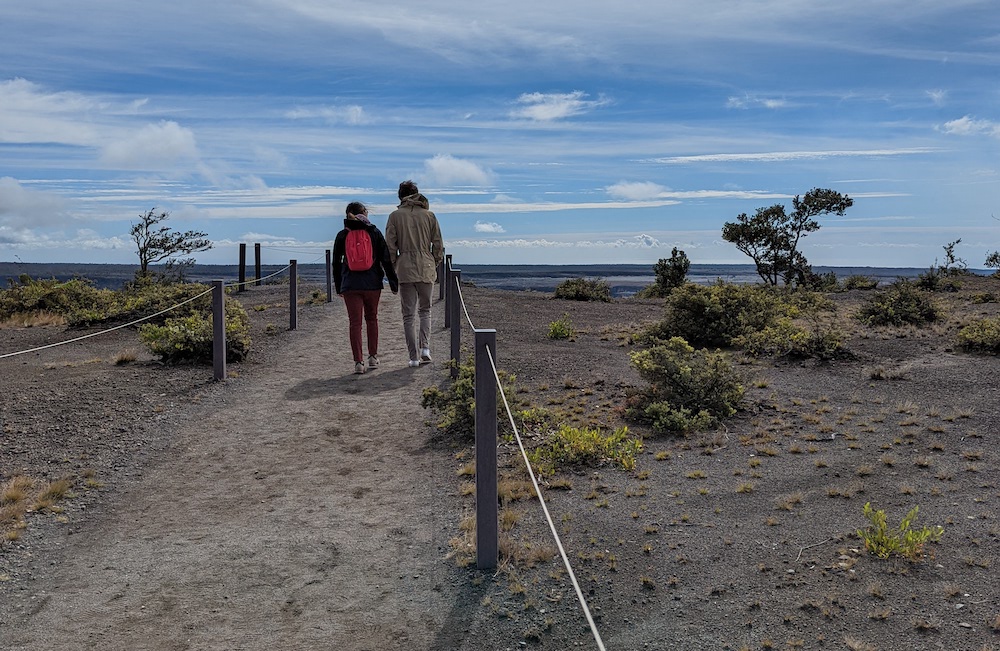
<point x="415" y="301"/>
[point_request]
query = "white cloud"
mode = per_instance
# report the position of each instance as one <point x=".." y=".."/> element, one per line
<point x="937" y="96"/>
<point x="968" y="126"/>
<point x="351" y="114"/>
<point x="30" y="114"/>
<point x="488" y="227"/>
<point x="636" y="190"/>
<point x="778" y="156"/>
<point x="547" y="107"/>
<point x="162" y="146"/>
<point x="21" y="207"/>
<point x="641" y="241"/>
<point x="750" y="101"/>
<point x="446" y="170"/>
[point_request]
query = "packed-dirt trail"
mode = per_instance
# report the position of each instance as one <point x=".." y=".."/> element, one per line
<point x="298" y="507"/>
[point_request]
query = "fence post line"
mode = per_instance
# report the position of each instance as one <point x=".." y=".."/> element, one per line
<point x="448" y="279"/>
<point x="487" y="529"/>
<point x="219" y="330"/>
<point x="445" y="268"/>
<point x="256" y="263"/>
<point x="243" y="267"/>
<point x="454" y="310"/>
<point x="293" y="294"/>
<point x="329" y="275"/>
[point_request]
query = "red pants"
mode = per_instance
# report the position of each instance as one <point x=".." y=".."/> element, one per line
<point x="358" y="303"/>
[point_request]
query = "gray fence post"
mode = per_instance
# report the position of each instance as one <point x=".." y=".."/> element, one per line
<point x="487" y="534"/>
<point x="243" y="267"/>
<point x="441" y="278"/>
<point x="293" y="294"/>
<point x="219" y="330"/>
<point x="454" y="311"/>
<point x="256" y="263"/>
<point x="445" y="268"/>
<point x="329" y="275"/>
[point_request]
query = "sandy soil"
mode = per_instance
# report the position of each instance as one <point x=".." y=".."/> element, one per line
<point x="299" y="506"/>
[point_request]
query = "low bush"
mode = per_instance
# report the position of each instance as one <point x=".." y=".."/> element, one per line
<point x="902" y="303"/>
<point x="859" y="282"/>
<point x="903" y="540"/>
<point x="786" y="338"/>
<point x="584" y="289"/>
<point x="68" y="299"/>
<point x="688" y="389"/>
<point x="571" y="446"/>
<point x="189" y="338"/>
<point x="561" y="328"/>
<point x="982" y="336"/>
<point x="455" y="405"/>
<point x="716" y="315"/>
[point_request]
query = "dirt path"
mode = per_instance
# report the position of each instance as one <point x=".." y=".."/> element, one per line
<point x="301" y="510"/>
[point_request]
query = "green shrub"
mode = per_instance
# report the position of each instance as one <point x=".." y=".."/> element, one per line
<point x="904" y="541"/>
<point x="688" y="389"/>
<point x="786" y="338"/>
<point x="561" y="328"/>
<point x="68" y="298"/>
<point x="901" y="304"/>
<point x="455" y="405"/>
<point x="860" y="282"/>
<point x="189" y="338"/>
<point x="714" y="315"/>
<point x="982" y="336"/>
<point x="571" y="446"/>
<point x="583" y="289"/>
<point x="984" y="297"/>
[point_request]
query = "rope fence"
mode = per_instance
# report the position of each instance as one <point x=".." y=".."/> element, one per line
<point x="487" y="386"/>
<point x="218" y="312"/>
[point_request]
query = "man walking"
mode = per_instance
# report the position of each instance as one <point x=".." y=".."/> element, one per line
<point x="416" y="249"/>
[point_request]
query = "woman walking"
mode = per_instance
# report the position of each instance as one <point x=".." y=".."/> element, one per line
<point x="360" y="262"/>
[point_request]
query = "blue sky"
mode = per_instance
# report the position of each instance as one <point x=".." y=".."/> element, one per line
<point x="553" y="132"/>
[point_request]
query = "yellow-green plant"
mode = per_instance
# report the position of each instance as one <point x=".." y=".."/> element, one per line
<point x="561" y="328"/>
<point x="189" y="338"/>
<point x="883" y="541"/>
<point x="455" y="405"/>
<point x="982" y="335"/>
<point x="569" y="446"/>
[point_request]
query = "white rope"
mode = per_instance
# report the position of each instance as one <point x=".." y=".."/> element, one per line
<point x="94" y="334"/>
<point x="545" y="509"/>
<point x="257" y="280"/>
<point x="461" y="301"/>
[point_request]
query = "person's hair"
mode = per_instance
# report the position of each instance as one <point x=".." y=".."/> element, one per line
<point x="356" y="208"/>
<point x="406" y="188"/>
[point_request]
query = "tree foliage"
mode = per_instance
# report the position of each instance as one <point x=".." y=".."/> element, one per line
<point x="672" y="272"/>
<point x="771" y="236"/>
<point x="155" y="242"/>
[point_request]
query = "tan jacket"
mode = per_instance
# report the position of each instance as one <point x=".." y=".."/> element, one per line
<point x="414" y="238"/>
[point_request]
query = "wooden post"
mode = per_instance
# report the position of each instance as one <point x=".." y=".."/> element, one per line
<point x="243" y="267"/>
<point x="454" y="309"/>
<point x="445" y="266"/>
<point x="329" y="275"/>
<point x="487" y="530"/>
<point x="256" y="263"/>
<point x="219" y="330"/>
<point x="440" y="279"/>
<point x="293" y="294"/>
<point x="449" y="281"/>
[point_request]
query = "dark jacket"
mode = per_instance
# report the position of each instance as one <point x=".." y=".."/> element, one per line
<point x="346" y="280"/>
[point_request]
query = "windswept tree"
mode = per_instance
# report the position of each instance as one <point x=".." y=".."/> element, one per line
<point x="771" y="236"/>
<point x="156" y="243"/>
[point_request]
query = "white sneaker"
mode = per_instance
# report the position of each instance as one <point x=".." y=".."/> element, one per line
<point x="359" y="368"/>
<point x="425" y="355"/>
<point x="414" y="362"/>
<point x="373" y="361"/>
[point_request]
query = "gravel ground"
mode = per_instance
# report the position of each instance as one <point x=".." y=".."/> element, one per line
<point x="302" y="506"/>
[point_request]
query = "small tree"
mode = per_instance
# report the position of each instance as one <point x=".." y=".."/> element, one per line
<point x="155" y="243"/>
<point x="671" y="272"/>
<point x="771" y="237"/>
<point x="993" y="261"/>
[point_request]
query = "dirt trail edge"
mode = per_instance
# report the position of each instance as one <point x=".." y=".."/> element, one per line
<point x="302" y="510"/>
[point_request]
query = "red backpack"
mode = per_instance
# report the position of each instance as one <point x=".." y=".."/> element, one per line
<point x="359" y="250"/>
